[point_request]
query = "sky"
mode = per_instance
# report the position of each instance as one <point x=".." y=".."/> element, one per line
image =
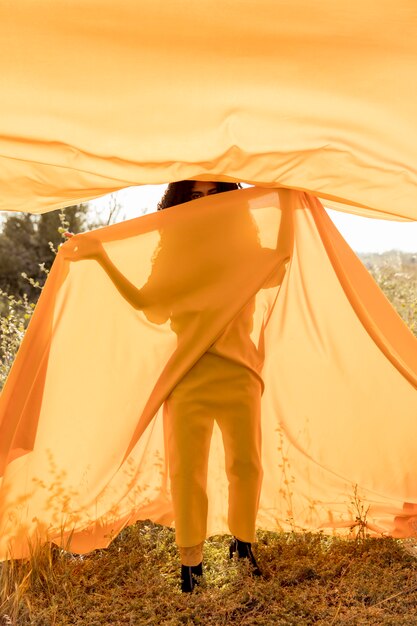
<point x="362" y="234"/>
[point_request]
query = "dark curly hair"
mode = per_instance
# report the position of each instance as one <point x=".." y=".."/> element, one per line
<point x="180" y="191"/>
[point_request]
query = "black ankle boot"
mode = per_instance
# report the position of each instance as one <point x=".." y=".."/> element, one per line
<point x="190" y="576"/>
<point x="244" y="551"/>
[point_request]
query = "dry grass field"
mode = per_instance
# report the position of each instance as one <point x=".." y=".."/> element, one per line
<point x="308" y="579"/>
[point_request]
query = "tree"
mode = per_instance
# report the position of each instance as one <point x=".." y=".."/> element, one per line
<point x="28" y="244"/>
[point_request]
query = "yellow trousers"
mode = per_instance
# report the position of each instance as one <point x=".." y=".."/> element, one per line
<point x="214" y="389"/>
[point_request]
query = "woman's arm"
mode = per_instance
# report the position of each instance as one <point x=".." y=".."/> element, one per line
<point x="86" y="247"/>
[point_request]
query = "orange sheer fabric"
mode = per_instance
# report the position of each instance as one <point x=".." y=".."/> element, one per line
<point x="82" y="444"/>
<point x="301" y="96"/>
<point x="318" y="96"/>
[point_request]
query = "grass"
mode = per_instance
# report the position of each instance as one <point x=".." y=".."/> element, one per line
<point x="308" y="579"/>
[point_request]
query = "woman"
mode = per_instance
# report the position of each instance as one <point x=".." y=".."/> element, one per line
<point x="189" y="431"/>
<point x="224" y="385"/>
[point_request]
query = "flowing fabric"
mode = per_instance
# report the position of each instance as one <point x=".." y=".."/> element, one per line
<point x="320" y="96"/>
<point x="307" y="99"/>
<point x="82" y="442"/>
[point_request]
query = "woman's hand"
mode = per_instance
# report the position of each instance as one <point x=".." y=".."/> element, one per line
<point x="82" y="247"/>
<point x="86" y="246"/>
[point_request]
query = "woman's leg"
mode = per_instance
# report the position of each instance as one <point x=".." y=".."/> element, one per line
<point x="188" y="431"/>
<point x="191" y="556"/>
<point x="240" y="423"/>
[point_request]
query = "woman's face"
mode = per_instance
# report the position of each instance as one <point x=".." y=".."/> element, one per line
<point x="202" y="188"/>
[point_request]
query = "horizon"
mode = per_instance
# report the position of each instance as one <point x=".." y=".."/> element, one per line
<point x="364" y="235"/>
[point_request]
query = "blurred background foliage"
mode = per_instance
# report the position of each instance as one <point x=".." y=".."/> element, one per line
<point x="28" y="245"/>
<point x="30" y="241"/>
<point x="396" y="274"/>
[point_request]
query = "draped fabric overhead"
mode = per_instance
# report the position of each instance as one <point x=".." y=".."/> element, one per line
<point x="97" y="95"/>
<point x="82" y="446"/>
